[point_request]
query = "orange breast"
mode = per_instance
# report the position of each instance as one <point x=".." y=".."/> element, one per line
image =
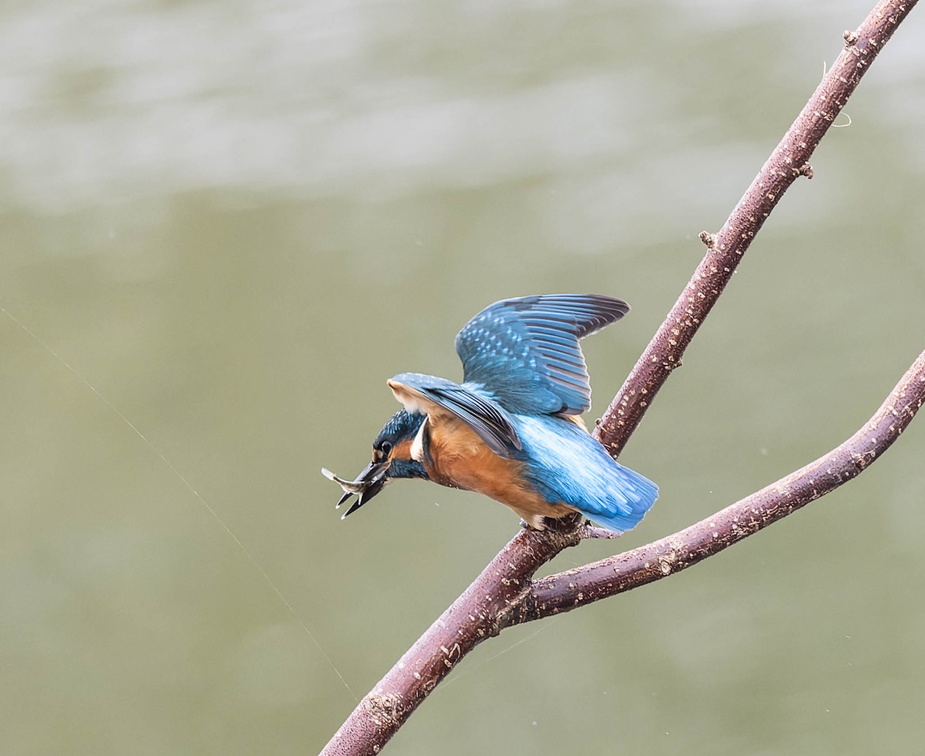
<point x="462" y="460"/>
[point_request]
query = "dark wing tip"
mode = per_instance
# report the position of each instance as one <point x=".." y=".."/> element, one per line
<point x="585" y="313"/>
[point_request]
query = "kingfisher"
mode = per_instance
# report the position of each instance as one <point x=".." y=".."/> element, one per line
<point x="512" y="430"/>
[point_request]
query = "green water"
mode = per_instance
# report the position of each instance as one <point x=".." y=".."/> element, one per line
<point x="225" y="225"/>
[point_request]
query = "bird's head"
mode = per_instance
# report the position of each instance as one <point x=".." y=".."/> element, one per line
<point x="391" y="459"/>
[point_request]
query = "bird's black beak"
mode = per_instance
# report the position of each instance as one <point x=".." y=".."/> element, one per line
<point x="367" y="484"/>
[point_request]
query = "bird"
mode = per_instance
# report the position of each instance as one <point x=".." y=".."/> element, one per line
<point x="512" y="429"/>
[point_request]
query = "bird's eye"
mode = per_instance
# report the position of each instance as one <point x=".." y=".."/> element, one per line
<point x="386" y="448"/>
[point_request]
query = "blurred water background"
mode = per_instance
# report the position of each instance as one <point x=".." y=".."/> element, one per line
<point x="225" y="224"/>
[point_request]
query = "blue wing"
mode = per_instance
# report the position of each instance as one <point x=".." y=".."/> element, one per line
<point x="525" y="351"/>
<point x="430" y="395"/>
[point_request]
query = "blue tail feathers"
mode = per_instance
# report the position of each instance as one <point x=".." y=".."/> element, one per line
<point x="565" y="464"/>
<point x="633" y="496"/>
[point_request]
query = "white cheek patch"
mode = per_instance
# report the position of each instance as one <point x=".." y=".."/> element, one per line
<point x="417" y="446"/>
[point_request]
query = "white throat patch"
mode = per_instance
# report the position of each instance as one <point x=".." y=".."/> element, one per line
<point x="417" y="446"/>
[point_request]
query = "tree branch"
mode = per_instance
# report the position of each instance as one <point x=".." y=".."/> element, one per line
<point x="725" y="249"/>
<point x="505" y="594"/>
<point x="616" y="574"/>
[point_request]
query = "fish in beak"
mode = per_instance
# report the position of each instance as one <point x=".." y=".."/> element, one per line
<point x="367" y="484"/>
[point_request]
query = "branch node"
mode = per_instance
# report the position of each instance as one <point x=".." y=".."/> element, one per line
<point x="670" y="364"/>
<point x="851" y="38"/>
<point x="708" y="239"/>
<point x="384" y="709"/>
<point x="804" y="170"/>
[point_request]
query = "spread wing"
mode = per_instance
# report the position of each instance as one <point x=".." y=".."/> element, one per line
<point x="525" y="351"/>
<point x="434" y="397"/>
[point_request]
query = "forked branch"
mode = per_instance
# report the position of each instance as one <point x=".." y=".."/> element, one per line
<point x="505" y="593"/>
